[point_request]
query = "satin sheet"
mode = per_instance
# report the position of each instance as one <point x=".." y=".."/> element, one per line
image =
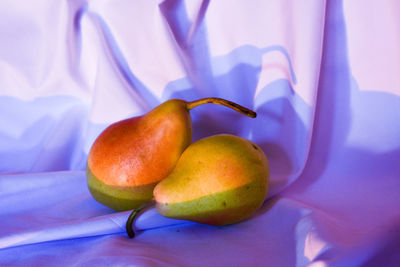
<point x="322" y="77"/>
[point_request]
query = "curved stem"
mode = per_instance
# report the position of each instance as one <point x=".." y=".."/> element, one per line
<point x="132" y="217"/>
<point x="223" y="102"/>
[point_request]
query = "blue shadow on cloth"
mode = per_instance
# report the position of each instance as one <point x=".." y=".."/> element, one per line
<point x="44" y="134"/>
<point x="191" y="43"/>
<point x="76" y="10"/>
<point x="338" y="100"/>
<point x="337" y="174"/>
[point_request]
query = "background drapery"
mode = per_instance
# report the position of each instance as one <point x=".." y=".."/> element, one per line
<point x="321" y="75"/>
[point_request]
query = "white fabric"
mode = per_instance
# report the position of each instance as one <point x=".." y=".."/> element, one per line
<point x="321" y="75"/>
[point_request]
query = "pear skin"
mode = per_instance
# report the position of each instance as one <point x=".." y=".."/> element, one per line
<point x="218" y="180"/>
<point x="131" y="156"/>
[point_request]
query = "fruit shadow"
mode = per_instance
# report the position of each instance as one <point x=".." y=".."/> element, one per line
<point x="281" y="133"/>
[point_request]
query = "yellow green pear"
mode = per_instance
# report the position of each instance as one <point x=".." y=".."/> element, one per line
<point x="131" y="156"/>
<point x="218" y="180"/>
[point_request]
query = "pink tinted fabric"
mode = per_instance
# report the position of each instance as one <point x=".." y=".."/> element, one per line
<point x="322" y="77"/>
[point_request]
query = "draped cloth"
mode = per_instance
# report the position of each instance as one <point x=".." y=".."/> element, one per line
<point x="323" y="77"/>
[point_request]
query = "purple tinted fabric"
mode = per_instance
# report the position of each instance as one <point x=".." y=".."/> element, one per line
<point x="322" y="77"/>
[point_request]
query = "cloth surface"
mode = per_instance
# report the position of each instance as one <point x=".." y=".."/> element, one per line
<point x="321" y="75"/>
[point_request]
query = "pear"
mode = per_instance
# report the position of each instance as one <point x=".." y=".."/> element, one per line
<point x="131" y="156"/>
<point x="218" y="180"/>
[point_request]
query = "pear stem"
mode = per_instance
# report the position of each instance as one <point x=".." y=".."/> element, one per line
<point x="132" y="217"/>
<point x="223" y="102"/>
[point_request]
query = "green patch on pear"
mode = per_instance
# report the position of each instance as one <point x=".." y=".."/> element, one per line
<point x="119" y="198"/>
<point x="222" y="208"/>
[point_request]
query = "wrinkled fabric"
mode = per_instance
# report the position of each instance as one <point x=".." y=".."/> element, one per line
<point x="321" y="75"/>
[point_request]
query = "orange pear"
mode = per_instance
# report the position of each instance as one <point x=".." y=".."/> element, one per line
<point x="131" y="156"/>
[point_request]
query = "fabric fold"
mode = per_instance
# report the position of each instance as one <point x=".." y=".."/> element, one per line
<point x="102" y="225"/>
<point x="321" y="75"/>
